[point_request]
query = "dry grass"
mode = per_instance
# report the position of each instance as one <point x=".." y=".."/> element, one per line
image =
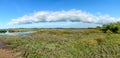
<point x="8" y="54"/>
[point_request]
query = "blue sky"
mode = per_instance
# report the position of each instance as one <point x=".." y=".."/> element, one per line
<point x="14" y="9"/>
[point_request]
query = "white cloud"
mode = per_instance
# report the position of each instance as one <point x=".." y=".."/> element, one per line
<point x="71" y="15"/>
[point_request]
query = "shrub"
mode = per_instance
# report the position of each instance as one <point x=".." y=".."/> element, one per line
<point x="109" y="32"/>
<point x="113" y="27"/>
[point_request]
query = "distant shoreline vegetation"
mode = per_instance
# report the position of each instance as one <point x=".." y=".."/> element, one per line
<point x="2" y="31"/>
<point x="13" y="30"/>
<point x="28" y="29"/>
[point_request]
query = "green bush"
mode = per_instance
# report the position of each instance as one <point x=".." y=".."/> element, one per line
<point x="113" y="27"/>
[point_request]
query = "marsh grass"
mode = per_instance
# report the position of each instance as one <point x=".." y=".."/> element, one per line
<point x="66" y="43"/>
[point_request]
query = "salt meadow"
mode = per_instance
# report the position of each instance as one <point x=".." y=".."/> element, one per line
<point x="99" y="42"/>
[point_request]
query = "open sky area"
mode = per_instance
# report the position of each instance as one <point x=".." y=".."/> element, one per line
<point x="58" y="13"/>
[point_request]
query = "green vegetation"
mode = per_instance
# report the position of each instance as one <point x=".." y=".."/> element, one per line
<point x="2" y="31"/>
<point x="16" y="30"/>
<point x="111" y="28"/>
<point x="65" y="43"/>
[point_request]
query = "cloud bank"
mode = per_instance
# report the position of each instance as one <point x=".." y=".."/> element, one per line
<point x="63" y="16"/>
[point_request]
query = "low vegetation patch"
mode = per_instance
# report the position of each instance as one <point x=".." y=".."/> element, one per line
<point x="8" y="54"/>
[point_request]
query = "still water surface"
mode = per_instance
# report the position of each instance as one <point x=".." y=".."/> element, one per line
<point x="15" y="33"/>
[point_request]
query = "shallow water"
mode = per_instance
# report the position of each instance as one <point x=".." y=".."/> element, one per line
<point x="15" y="33"/>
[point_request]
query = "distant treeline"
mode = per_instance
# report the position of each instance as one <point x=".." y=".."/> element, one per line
<point x="13" y="30"/>
<point x="35" y="29"/>
<point x="3" y="31"/>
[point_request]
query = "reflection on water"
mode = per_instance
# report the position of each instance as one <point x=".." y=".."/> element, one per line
<point x="15" y="33"/>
